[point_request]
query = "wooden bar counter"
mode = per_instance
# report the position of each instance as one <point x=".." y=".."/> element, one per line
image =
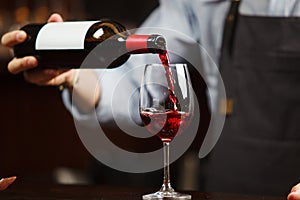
<point x="22" y="191"/>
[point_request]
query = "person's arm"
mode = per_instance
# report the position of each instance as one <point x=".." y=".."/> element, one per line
<point x="86" y="99"/>
<point x="85" y="88"/>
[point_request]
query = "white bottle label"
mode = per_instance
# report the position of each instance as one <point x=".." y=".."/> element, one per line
<point x="62" y="35"/>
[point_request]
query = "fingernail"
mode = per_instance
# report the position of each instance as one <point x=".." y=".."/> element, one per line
<point x="21" y="35"/>
<point x="31" y="61"/>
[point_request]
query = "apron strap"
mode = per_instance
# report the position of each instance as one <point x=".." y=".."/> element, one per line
<point x="226" y="105"/>
<point x="229" y="28"/>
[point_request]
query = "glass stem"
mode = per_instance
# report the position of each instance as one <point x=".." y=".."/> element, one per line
<point x="166" y="181"/>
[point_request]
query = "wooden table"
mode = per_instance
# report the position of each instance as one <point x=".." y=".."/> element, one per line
<point x="22" y="191"/>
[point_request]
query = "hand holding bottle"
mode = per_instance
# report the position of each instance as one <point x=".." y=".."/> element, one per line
<point x="28" y="64"/>
<point x="86" y="100"/>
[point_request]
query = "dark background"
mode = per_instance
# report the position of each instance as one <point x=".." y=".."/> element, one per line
<point x="37" y="134"/>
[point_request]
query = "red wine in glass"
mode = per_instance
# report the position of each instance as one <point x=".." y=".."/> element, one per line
<point x="165" y="125"/>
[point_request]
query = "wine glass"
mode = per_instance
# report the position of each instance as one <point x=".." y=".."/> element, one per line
<point x="166" y="105"/>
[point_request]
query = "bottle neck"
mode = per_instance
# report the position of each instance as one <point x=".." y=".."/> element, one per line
<point x="137" y="44"/>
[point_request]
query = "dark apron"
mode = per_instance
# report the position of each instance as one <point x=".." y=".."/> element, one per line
<point x="259" y="149"/>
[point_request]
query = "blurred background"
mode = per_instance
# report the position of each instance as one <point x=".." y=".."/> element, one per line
<point x="38" y="140"/>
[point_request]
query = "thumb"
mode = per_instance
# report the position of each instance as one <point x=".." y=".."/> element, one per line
<point x="55" y="17"/>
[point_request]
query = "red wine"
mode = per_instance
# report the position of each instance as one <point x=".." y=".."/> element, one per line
<point x="164" y="58"/>
<point x="67" y="44"/>
<point x="165" y="124"/>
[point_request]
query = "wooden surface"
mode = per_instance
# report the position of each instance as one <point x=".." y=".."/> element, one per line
<point x="71" y="192"/>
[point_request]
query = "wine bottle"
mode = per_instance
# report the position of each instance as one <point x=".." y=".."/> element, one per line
<point x="67" y="44"/>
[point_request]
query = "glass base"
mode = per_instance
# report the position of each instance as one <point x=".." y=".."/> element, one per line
<point x="160" y="195"/>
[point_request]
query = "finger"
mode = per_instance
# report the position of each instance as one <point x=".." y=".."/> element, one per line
<point x="5" y="182"/>
<point x="296" y="187"/>
<point x="55" y="18"/>
<point x="62" y="79"/>
<point x="12" y="38"/>
<point x="46" y="76"/>
<point x="293" y="196"/>
<point x="39" y="76"/>
<point x="17" y="65"/>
